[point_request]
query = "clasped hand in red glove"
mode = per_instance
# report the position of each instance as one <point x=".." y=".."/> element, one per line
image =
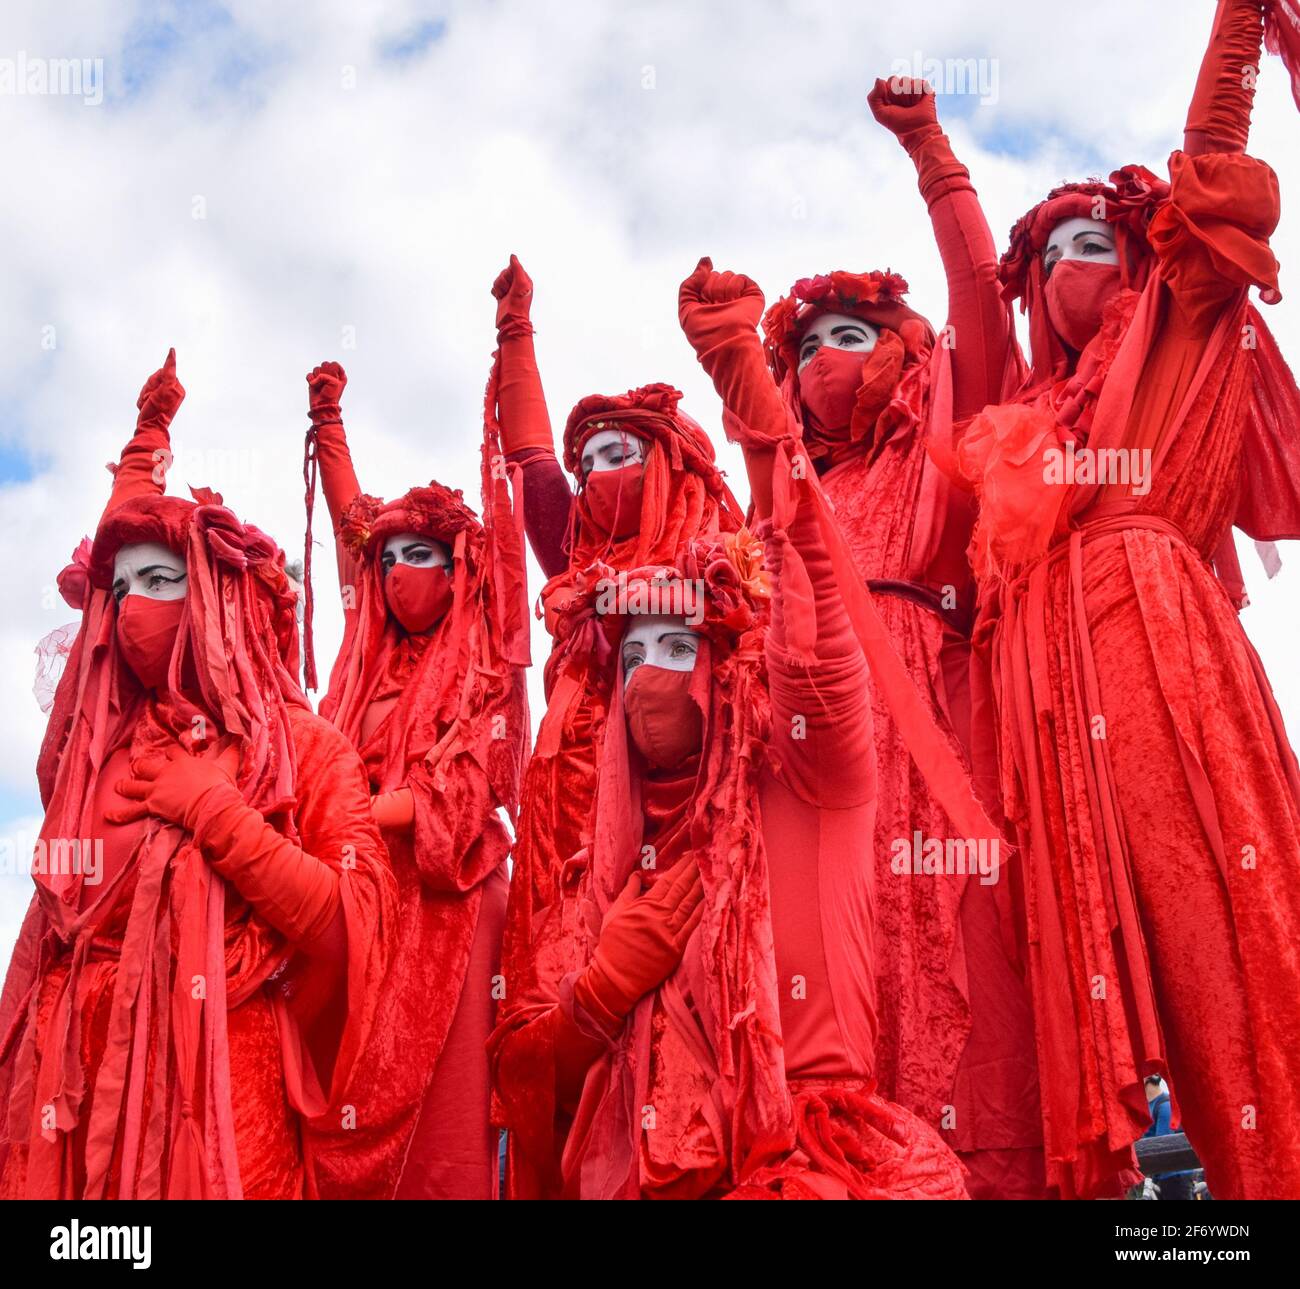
<point x="641" y="942"/>
<point x="325" y="386"/>
<point x="513" y="290"/>
<point x="161" y="395"/>
<point x="905" y="107"/>
<point x="713" y="307"/>
<point x="173" y="785"/>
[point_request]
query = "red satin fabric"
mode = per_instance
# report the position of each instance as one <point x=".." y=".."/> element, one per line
<point x="1075" y="296"/>
<point x="613" y="500"/>
<point x="418" y="597"/>
<point x="1134" y="838"/>
<point x="662" y="720"/>
<point x="146" y="633"/>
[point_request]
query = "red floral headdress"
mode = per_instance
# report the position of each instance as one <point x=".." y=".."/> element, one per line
<point x="875" y="297"/>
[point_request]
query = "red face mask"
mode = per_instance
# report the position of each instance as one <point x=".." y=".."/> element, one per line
<point x="417" y="597"/>
<point x="828" y="388"/>
<point x="663" y="720"/>
<point x="146" y="635"/>
<point x="1076" y="294"/>
<point x="614" y="499"/>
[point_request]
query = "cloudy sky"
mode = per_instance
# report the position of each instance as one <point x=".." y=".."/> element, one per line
<point x="266" y="186"/>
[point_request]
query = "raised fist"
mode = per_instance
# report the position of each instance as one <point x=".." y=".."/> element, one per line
<point x="514" y="294"/>
<point x="325" y="385"/>
<point x="902" y="104"/>
<point x="161" y="396"/>
<point x="712" y="306"/>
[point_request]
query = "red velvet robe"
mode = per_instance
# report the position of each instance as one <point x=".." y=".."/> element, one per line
<point x="158" y="1089"/>
<point x="424" y="713"/>
<point x="1144" y="766"/>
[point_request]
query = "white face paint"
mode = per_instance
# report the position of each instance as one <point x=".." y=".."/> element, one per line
<point x="836" y="331"/>
<point x="661" y="641"/>
<point x="148" y="569"/>
<point x="1081" y="238"/>
<point x="611" y="450"/>
<point x="417" y="551"/>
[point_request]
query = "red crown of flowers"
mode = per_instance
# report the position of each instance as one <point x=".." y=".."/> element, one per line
<point x="837" y="292"/>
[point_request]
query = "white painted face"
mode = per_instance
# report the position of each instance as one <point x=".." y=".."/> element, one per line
<point x="148" y="569"/>
<point x="417" y="551"/>
<point x="611" y="450"/>
<point x="836" y="331"/>
<point x="1081" y="238"/>
<point x="661" y="641"/>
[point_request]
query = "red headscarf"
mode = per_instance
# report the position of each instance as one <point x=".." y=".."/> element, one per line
<point x="895" y="373"/>
<point x="462" y="677"/>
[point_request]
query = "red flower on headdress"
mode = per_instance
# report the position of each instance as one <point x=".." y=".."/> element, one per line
<point x="832" y="292"/>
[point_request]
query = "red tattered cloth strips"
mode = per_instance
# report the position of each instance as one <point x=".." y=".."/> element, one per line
<point x="137" y="1014"/>
<point x="439" y="716"/>
<point x="1099" y="604"/>
<point x="703" y="1052"/>
<point x="681" y="495"/>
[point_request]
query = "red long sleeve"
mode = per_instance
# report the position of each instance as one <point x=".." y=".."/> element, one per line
<point x="1219" y="117"/>
<point x="527" y="438"/>
<point x="821" y="716"/>
<point x="981" y="331"/>
<point x="294" y="891"/>
<point x="547" y="506"/>
<point x="339" y="483"/>
<point x="142" y="467"/>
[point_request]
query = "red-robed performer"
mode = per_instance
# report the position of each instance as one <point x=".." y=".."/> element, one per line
<point x="1144" y="767"/>
<point x="646" y="483"/>
<point x="858" y="369"/>
<point x="428" y="686"/>
<point x="701" y="1021"/>
<point x="203" y="976"/>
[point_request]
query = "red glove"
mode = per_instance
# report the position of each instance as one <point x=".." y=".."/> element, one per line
<point x="395" y="810"/>
<point x="906" y="108"/>
<point x="174" y="785"/>
<point x="295" y="892"/>
<point x="521" y="402"/>
<point x="714" y="308"/>
<point x="641" y="942"/>
<point x="161" y="396"/>
<point x="719" y="313"/>
<point x="513" y="290"/>
<point x="325" y="385"/>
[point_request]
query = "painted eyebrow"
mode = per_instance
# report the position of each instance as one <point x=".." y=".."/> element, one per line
<point x="159" y="568"/>
<point x="416" y="546"/>
<point x="1092" y="232"/>
<point x="670" y="635"/>
<point x="849" y="326"/>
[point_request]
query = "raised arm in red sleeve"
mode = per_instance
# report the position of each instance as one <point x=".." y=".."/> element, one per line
<point x="1219" y="117"/>
<point x="325" y="385"/>
<point x="526" y="423"/>
<point x="141" y="470"/>
<point x="821" y="715"/>
<point x="981" y="332"/>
